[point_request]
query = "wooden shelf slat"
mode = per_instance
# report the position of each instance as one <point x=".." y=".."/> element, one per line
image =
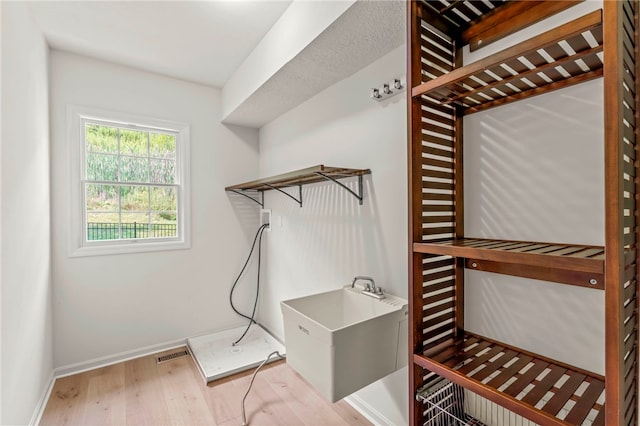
<point x="508" y="19"/>
<point x="472" y="362"/>
<point x="576" y="258"/>
<point x="587" y="400"/>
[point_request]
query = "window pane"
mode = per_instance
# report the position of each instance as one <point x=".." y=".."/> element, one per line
<point x="162" y="171"/>
<point x="102" y="167"/>
<point x="134" y="198"/>
<point x="163" y="224"/>
<point x="102" y="226"/>
<point x="163" y="199"/>
<point x="162" y="146"/>
<point x="101" y="138"/>
<point x="135" y="225"/>
<point x="101" y="198"/>
<point x="133" y="142"/>
<point x="134" y="169"/>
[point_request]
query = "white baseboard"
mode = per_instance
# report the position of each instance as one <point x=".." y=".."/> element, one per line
<point x="104" y="361"/>
<point x="369" y="412"/>
<point x="42" y="402"/>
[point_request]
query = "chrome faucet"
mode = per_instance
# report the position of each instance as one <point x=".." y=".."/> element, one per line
<point x="367" y="286"/>
<point x="369" y="290"/>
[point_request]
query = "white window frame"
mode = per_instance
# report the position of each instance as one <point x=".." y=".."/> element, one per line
<point x="78" y="243"/>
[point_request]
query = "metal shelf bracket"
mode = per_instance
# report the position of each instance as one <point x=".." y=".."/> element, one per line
<point x="240" y="192"/>
<point x="359" y="196"/>
<point x="297" y="200"/>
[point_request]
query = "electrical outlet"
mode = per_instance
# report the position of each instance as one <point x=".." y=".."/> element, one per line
<point x="265" y="218"/>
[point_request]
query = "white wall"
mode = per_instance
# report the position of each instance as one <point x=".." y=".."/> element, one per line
<point x="331" y="239"/>
<point x="107" y="305"/>
<point x="534" y="171"/>
<point x="25" y="217"/>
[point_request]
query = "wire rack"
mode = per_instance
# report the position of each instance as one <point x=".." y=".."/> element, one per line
<point x="449" y="404"/>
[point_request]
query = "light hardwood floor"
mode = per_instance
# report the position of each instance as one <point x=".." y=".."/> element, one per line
<point x="141" y="392"/>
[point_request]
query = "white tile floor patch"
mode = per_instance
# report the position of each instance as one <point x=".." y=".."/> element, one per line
<point x="216" y="358"/>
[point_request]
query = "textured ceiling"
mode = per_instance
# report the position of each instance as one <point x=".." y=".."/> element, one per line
<point x="365" y="32"/>
<point x="199" y="41"/>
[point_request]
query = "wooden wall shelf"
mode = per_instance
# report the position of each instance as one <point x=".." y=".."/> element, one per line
<point x="299" y="178"/>
<point x="571" y="264"/>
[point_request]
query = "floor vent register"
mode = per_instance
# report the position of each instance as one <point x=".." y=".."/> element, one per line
<point x="173" y="355"/>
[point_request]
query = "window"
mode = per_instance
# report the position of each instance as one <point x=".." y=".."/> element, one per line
<point x="130" y="190"/>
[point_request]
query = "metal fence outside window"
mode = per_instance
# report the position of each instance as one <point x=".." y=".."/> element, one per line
<point x="109" y="231"/>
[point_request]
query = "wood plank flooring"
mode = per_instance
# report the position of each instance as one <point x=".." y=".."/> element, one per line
<point x="141" y="392"/>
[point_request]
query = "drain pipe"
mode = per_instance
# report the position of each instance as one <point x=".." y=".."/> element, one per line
<point x="244" y="417"/>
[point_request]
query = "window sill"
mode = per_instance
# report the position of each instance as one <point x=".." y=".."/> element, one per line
<point x="127" y="247"/>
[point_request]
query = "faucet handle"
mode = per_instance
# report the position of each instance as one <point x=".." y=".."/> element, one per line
<point x="367" y="287"/>
<point x="360" y="277"/>
<point x="378" y="290"/>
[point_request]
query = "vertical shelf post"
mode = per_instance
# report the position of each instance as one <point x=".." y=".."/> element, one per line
<point x="414" y="78"/>
<point x="621" y="212"/>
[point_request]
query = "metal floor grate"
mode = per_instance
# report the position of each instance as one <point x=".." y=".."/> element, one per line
<point x="173" y="355"/>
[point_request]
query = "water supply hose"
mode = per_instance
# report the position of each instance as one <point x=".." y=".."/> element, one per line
<point x="257" y="238"/>
<point x="244" y="417"/>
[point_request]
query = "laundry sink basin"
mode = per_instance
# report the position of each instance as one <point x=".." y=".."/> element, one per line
<point x="342" y="340"/>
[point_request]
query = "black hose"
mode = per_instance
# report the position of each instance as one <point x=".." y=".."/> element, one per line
<point x="257" y="238"/>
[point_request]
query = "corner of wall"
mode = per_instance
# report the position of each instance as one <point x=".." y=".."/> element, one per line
<point x="42" y="402"/>
<point x="25" y="251"/>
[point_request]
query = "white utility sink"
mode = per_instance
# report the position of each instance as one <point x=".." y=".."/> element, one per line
<point x="342" y="340"/>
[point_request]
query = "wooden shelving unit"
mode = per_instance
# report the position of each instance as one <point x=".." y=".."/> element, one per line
<point x="297" y="179"/>
<point x="601" y="44"/>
